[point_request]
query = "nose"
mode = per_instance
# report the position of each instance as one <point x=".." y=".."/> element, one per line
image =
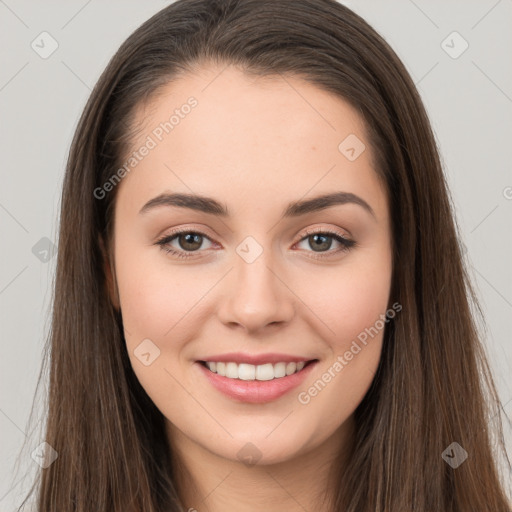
<point x="255" y="295"/>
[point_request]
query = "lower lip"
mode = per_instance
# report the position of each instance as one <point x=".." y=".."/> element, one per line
<point x="256" y="391"/>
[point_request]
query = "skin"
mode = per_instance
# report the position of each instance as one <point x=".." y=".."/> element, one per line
<point x="255" y="145"/>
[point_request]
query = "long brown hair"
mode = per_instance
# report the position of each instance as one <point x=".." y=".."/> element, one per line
<point x="433" y="386"/>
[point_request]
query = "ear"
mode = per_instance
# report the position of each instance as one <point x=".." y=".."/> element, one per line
<point x="110" y="274"/>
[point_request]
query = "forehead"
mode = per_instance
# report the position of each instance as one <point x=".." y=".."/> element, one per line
<point x="248" y="138"/>
<point x="228" y="99"/>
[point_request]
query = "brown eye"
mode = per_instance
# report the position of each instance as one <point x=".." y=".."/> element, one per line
<point x="190" y="241"/>
<point x="187" y="242"/>
<point x="321" y="242"/>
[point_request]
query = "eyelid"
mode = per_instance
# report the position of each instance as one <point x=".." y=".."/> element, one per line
<point x="346" y="242"/>
<point x="186" y="229"/>
<point x="330" y="231"/>
<point x="205" y="232"/>
<point x="200" y="230"/>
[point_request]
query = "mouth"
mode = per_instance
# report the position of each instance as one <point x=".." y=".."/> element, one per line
<point x="255" y="383"/>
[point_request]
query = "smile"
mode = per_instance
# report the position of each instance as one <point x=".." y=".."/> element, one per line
<point x="255" y="383"/>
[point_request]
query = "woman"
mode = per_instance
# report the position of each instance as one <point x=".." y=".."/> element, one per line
<point x="211" y="348"/>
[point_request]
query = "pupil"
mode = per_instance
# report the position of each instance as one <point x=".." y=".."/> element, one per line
<point x="321" y="245"/>
<point x="190" y="239"/>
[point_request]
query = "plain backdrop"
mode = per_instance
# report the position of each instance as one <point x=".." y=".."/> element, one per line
<point x="465" y="80"/>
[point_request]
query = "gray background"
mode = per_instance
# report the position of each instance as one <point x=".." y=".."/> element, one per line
<point x="469" y="100"/>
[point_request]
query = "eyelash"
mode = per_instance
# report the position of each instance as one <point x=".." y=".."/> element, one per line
<point x="346" y="244"/>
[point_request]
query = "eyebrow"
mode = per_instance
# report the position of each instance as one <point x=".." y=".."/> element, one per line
<point x="294" y="209"/>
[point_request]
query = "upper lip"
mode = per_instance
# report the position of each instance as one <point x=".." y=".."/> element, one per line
<point x="255" y="359"/>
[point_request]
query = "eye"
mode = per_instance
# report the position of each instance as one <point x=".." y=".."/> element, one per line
<point x="190" y="241"/>
<point x="322" y="239"/>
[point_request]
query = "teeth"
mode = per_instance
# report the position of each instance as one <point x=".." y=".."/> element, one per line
<point x="245" y="371"/>
<point x="279" y="370"/>
<point x="291" y="368"/>
<point x="264" y="372"/>
<point x="232" y="370"/>
<point x="221" y="369"/>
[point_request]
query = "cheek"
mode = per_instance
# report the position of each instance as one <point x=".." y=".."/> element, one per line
<point x="155" y="298"/>
<point x="354" y="309"/>
<point x="364" y="299"/>
<point x="157" y="304"/>
<point x="349" y="299"/>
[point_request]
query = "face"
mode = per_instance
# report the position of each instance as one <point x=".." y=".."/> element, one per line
<point x="285" y="294"/>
